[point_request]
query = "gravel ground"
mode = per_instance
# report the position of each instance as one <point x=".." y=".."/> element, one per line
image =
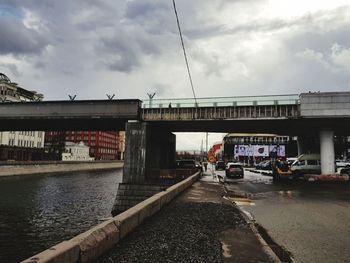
<point x="180" y="232"/>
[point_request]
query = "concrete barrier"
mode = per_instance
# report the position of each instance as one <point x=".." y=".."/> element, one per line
<point x="89" y="245"/>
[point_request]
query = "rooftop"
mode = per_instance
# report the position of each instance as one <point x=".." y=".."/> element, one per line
<point x="3" y="77"/>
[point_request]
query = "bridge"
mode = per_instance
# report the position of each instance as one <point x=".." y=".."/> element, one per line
<point x="285" y="114"/>
<point x="68" y="115"/>
<point x="150" y="143"/>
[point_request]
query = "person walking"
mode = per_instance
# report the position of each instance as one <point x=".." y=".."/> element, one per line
<point x="205" y="166"/>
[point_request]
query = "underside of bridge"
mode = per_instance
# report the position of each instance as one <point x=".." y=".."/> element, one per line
<point x="281" y="126"/>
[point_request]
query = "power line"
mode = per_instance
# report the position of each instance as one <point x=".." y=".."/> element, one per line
<point x="185" y="55"/>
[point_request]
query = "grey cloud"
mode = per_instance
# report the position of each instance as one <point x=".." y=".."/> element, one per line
<point x="319" y="41"/>
<point x="309" y="24"/>
<point x="4" y="67"/>
<point x="17" y="39"/>
<point x="155" y="17"/>
<point x="125" y="49"/>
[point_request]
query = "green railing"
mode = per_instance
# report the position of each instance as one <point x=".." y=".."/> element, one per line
<point x="291" y="99"/>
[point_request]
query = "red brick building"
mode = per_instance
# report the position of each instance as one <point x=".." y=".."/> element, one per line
<point x="103" y="145"/>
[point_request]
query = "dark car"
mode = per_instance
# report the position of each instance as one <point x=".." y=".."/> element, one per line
<point x="264" y="165"/>
<point x="234" y="170"/>
<point x="220" y="165"/>
<point x="186" y="164"/>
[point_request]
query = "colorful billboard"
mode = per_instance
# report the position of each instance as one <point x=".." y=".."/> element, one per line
<point x="260" y="150"/>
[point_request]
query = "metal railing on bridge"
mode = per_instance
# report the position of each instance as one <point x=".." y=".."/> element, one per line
<point x="278" y="106"/>
<point x="290" y="99"/>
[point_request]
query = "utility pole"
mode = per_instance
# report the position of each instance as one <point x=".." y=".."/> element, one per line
<point x="206" y="143"/>
<point x="202" y="150"/>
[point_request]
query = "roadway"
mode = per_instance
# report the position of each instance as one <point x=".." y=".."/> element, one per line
<point x="308" y="219"/>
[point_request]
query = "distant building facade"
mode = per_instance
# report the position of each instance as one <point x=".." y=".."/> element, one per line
<point x="102" y="145"/>
<point x="19" y="145"/>
<point x="76" y="152"/>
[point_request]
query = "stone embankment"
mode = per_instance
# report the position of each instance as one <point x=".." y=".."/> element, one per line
<point x="89" y="245"/>
<point x="19" y="169"/>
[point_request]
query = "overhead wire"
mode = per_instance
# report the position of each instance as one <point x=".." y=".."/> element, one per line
<point x="185" y="54"/>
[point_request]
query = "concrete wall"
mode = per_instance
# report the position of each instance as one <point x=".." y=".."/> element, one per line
<point x="35" y="169"/>
<point x="327" y="104"/>
<point x="89" y="245"/>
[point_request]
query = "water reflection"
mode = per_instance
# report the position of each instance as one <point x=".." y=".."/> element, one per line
<point x="37" y="212"/>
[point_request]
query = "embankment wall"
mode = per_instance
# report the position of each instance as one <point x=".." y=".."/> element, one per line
<point x="56" y="167"/>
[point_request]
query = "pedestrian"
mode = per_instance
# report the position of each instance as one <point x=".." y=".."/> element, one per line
<point x="170" y="105"/>
<point x="205" y="166"/>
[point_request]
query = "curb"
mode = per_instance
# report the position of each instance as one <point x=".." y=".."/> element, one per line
<point x="92" y="243"/>
<point x="267" y="249"/>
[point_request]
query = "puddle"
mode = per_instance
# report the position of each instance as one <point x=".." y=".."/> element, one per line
<point x="226" y="250"/>
<point x="193" y="198"/>
<point x="241" y="201"/>
<point x="281" y="252"/>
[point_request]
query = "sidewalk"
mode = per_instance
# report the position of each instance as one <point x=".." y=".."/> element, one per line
<point x="198" y="226"/>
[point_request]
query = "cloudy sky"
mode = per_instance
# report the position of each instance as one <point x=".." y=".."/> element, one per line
<point x="235" y="47"/>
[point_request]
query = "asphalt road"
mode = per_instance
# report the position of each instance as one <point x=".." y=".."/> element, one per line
<point x="309" y="219"/>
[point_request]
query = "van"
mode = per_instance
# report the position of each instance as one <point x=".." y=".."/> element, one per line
<point x="306" y="164"/>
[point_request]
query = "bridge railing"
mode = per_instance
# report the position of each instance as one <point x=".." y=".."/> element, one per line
<point x="219" y="113"/>
<point x="268" y="100"/>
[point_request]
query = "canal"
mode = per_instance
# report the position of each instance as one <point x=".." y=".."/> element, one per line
<point x="37" y="212"/>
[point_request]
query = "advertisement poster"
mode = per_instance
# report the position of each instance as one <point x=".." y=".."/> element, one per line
<point x="277" y="150"/>
<point x="272" y="151"/>
<point x="261" y="150"/>
<point x="281" y="151"/>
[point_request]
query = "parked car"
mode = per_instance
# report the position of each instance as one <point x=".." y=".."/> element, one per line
<point x="234" y="170"/>
<point x="264" y="165"/>
<point x="199" y="166"/>
<point x="342" y="163"/>
<point x="259" y="165"/>
<point x="186" y="164"/>
<point x="306" y="163"/>
<point x="220" y="165"/>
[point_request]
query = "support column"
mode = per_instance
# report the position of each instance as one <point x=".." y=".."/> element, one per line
<point x="136" y="134"/>
<point x="147" y="150"/>
<point x="327" y="152"/>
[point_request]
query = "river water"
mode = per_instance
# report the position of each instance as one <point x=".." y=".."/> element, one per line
<point x="37" y="212"/>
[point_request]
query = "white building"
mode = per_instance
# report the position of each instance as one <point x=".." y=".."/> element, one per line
<point x="76" y="152"/>
<point x="11" y="92"/>
<point x="28" y="139"/>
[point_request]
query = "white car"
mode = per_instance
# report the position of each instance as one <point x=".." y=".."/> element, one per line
<point x="342" y="163"/>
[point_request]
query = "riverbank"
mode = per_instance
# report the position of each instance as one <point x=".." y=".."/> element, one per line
<point x="22" y="169"/>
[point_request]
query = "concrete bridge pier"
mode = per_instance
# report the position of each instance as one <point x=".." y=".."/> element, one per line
<point x="327" y="152"/>
<point x="147" y="151"/>
<point x="307" y="144"/>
